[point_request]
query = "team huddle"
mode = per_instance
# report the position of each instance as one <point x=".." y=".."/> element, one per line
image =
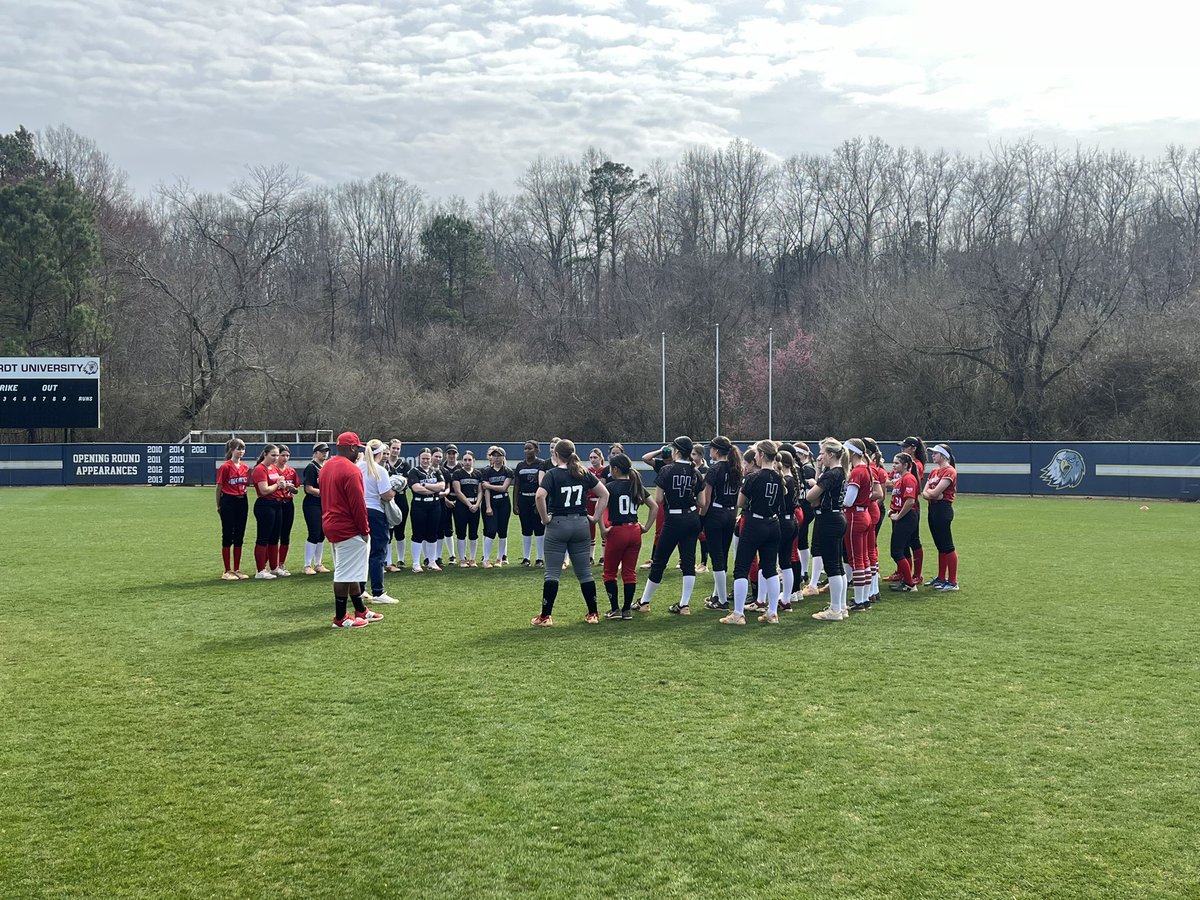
<point x="758" y="506"/>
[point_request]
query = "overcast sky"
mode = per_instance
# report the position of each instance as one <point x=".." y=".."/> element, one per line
<point x="458" y="98"/>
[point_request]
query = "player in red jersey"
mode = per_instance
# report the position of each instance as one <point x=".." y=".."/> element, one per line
<point x="267" y="512"/>
<point x="859" y="498"/>
<point x="879" y="477"/>
<point x="939" y="493"/>
<point x="903" y="515"/>
<point x="344" y="521"/>
<point x="287" y="508"/>
<point x="915" y="447"/>
<point x="233" y="477"/>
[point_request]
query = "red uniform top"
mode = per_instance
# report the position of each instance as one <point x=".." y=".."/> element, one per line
<point x="233" y="478"/>
<point x="920" y="473"/>
<point x="936" y="475"/>
<point x="860" y="475"/>
<point x="262" y="473"/>
<point x="591" y="497"/>
<point x="287" y="473"/>
<point x="904" y="489"/>
<point x="343" y="502"/>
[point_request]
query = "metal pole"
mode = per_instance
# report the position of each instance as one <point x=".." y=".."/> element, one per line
<point x="770" y="380"/>
<point x="664" y="387"/>
<point x="717" y="380"/>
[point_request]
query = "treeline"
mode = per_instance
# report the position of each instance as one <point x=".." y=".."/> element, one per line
<point x="1030" y="292"/>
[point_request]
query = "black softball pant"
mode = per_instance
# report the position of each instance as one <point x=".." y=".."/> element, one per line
<point x="941" y="514"/>
<point x="234" y="512"/>
<point x="398" y="531"/>
<point x="287" y="517"/>
<point x="680" y="530"/>
<point x="759" y="537"/>
<point x="802" y="530"/>
<point x="466" y="523"/>
<point x="496" y="525"/>
<point x="426" y="521"/>
<point x="312" y="519"/>
<point x="829" y="532"/>
<point x="787" y="534"/>
<point x="718" y="532"/>
<point x="904" y="536"/>
<point x="268" y="516"/>
<point x="531" y="522"/>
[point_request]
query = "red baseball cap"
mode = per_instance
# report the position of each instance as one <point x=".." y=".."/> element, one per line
<point x="349" y="439"/>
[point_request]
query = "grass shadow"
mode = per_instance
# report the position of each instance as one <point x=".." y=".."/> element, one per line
<point x="267" y="640"/>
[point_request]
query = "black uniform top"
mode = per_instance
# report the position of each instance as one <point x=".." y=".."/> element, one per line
<point x="468" y="481"/>
<point x="808" y="472"/>
<point x="701" y="472"/>
<point x="401" y="467"/>
<point x="496" y="477"/>
<point x="311" y="473"/>
<point x="724" y="486"/>
<point x="417" y="475"/>
<point x="764" y="493"/>
<point x="527" y="475"/>
<point x="791" y="495"/>
<point x="833" y="483"/>
<point x="448" y="476"/>
<point x="566" y="495"/>
<point x="621" y="508"/>
<point x="678" y="483"/>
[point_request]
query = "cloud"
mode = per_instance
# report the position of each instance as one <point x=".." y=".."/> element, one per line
<point x="460" y="97"/>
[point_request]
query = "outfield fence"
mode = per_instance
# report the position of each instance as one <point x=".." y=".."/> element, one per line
<point x="1101" y="469"/>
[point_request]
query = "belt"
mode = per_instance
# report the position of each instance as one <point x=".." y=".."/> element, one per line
<point x="715" y="506"/>
<point x="757" y="516"/>
<point x="424" y="499"/>
<point x="859" y="509"/>
<point x="499" y="496"/>
<point x="679" y="512"/>
<point x="523" y="494"/>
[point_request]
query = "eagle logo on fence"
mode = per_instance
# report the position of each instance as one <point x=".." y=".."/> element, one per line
<point x="1065" y="470"/>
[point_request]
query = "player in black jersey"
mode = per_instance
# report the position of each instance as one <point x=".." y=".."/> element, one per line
<point x="528" y="477"/>
<point x="465" y="486"/>
<point x="760" y="500"/>
<point x="622" y="531"/>
<point x="806" y="476"/>
<point x="676" y="491"/>
<point x="718" y="500"/>
<point x="495" y="480"/>
<point x="829" y="525"/>
<point x="449" y="503"/>
<point x="785" y="466"/>
<point x="701" y="468"/>
<point x="562" y="507"/>
<point x="425" y="482"/>
<point x="396" y="465"/>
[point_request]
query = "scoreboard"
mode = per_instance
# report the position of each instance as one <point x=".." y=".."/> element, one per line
<point x="49" y="392"/>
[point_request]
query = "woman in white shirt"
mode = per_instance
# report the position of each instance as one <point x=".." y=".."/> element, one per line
<point x="377" y="489"/>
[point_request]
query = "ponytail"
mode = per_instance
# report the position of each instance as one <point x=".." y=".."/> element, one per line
<point x="267" y="448"/>
<point x="918" y="449"/>
<point x="733" y="457"/>
<point x="565" y="450"/>
<point x="872" y="449"/>
<point x="834" y="446"/>
<point x="374" y="445"/>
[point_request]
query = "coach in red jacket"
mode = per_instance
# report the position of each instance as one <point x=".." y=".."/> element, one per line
<point x="344" y="519"/>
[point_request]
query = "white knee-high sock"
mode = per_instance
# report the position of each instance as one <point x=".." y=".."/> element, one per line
<point x="837" y="592"/>
<point x="772" y="596"/>
<point x="308" y="552"/>
<point x="789" y="578"/>
<point x="814" y="572"/>
<point x="462" y="548"/>
<point x="874" y="582"/>
<point x="648" y="591"/>
<point x="741" y="587"/>
<point x="805" y="562"/>
<point x="447" y="547"/>
<point x="526" y="542"/>
<point x="541" y="546"/>
<point x="388" y="559"/>
<point x="762" y="586"/>
<point x="504" y="548"/>
<point x="720" y="585"/>
<point x="487" y="547"/>
<point x="430" y="549"/>
<point x="689" y="582"/>
<point x="472" y="543"/>
<point x="733" y="552"/>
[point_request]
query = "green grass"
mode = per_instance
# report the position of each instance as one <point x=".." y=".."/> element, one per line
<point x="168" y="734"/>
